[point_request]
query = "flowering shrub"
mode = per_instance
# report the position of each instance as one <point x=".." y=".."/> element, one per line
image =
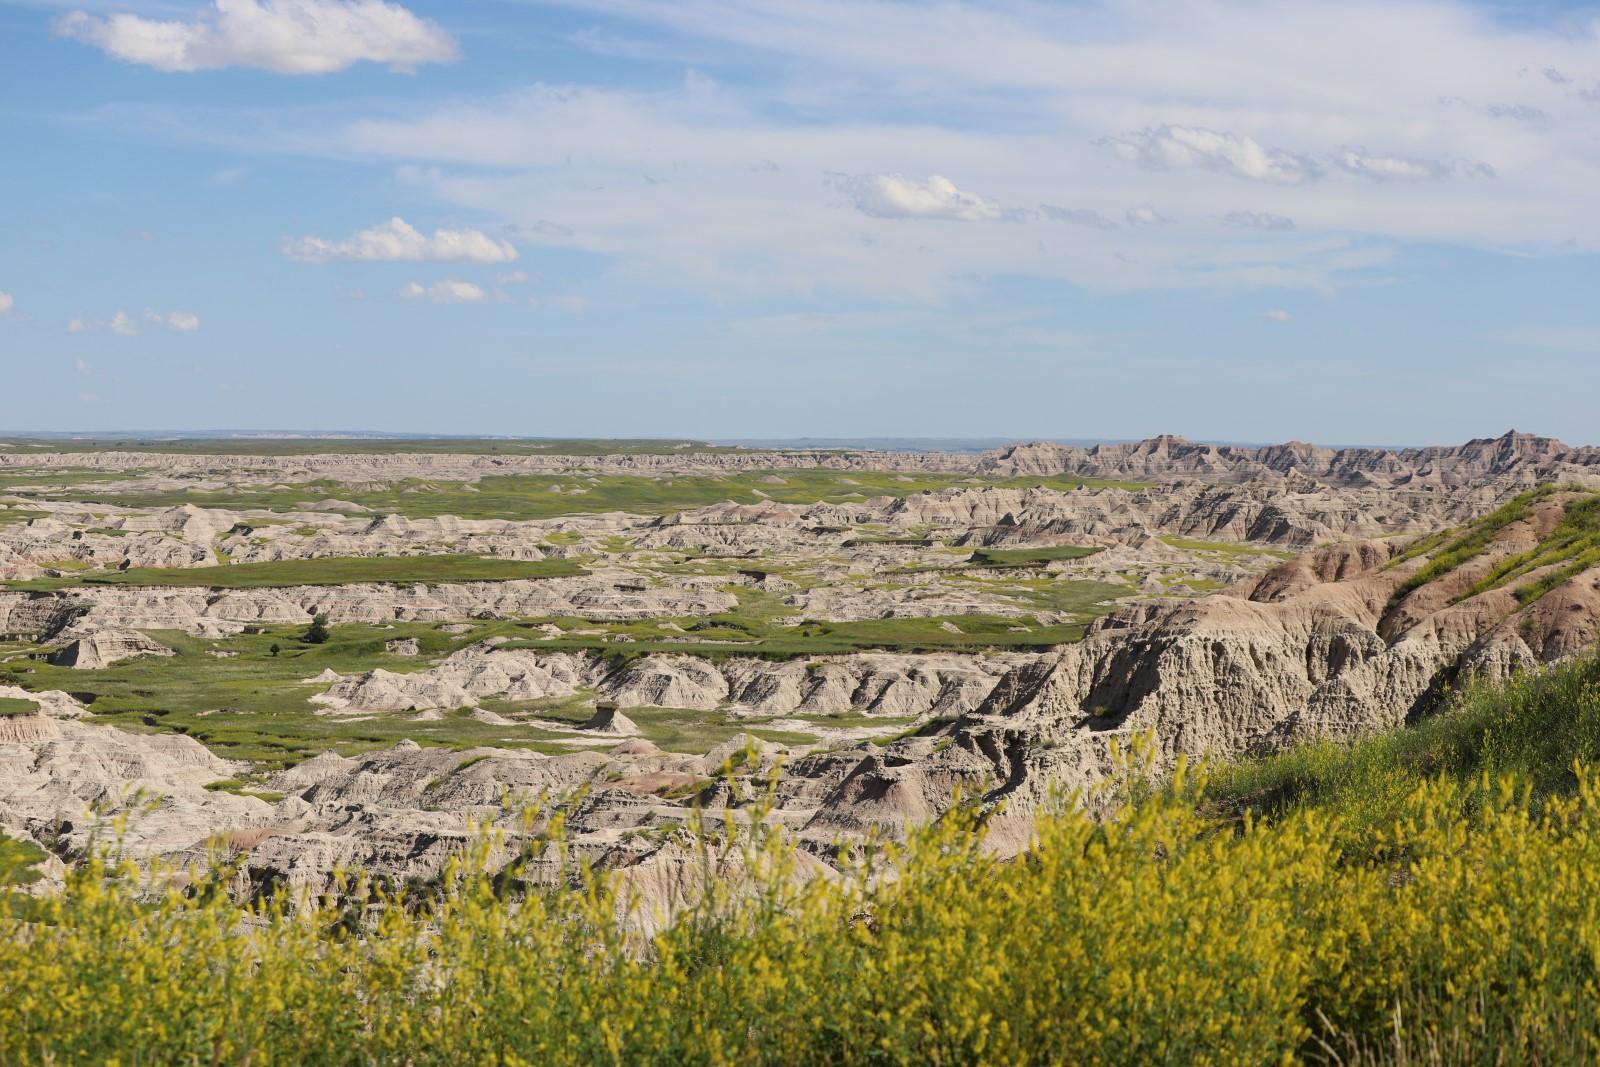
<point x="1464" y="928"/>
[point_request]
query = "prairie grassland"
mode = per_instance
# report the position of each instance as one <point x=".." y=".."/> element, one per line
<point x="252" y="705"/>
<point x="1226" y="548"/>
<point x="1029" y="557"/>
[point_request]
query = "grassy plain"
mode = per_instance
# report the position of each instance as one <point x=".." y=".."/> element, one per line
<point x="1029" y="557"/>
<point x="1226" y="548"/>
<point x="253" y="705"/>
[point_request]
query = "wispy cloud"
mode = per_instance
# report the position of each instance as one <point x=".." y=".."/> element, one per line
<point x="445" y="292"/>
<point x="122" y="324"/>
<point x="1385" y="168"/>
<point x="1258" y="220"/>
<point x="398" y="241"/>
<point x="1077" y="217"/>
<point x="1145" y="215"/>
<point x="177" y="321"/>
<point x="1184" y="147"/>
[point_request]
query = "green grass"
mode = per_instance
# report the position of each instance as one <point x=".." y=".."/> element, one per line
<point x="1450" y="552"/>
<point x="253" y="706"/>
<point x="394" y="570"/>
<point x="240" y="788"/>
<point x="1029" y="557"/>
<point x="18" y="860"/>
<point x="16" y="706"/>
<point x="686" y="730"/>
<point x="1537" y="727"/>
<point x="1227" y="548"/>
<point x="1571" y="548"/>
<point x="551" y="496"/>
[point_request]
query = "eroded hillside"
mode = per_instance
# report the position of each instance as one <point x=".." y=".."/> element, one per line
<point x="889" y="628"/>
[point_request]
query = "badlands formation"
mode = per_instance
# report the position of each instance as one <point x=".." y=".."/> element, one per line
<point x="886" y="628"/>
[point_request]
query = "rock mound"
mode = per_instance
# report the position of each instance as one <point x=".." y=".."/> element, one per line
<point x="608" y="720"/>
<point x="106" y="647"/>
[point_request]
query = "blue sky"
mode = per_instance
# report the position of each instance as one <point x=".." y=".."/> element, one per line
<point x="1351" y="222"/>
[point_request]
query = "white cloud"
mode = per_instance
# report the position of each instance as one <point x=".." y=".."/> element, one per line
<point x="178" y="321"/>
<point x="512" y="277"/>
<point x="285" y="36"/>
<point x="1388" y="168"/>
<point x="123" y="324"/>
<point x="1258" y="220"/>
<point x="1185" y="147"/>
<point x="6" y="303"/>
<point x="397" y="241"/>
<point x="445" y="292"/>
<point x="894" y="196"/>
<point x="1145" y="215"/>
<point x="1276" y="315"/>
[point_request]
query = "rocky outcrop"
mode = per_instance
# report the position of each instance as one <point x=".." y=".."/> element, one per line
<point x="216" y="612"/>
<point x="872" y="683"/>
<point x="1513" y="459"/>
<point x="65" y="783"/>
<point x="608" y="720"/>
<point x="102" y="648"/>
<point x="1332" y="644"/>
